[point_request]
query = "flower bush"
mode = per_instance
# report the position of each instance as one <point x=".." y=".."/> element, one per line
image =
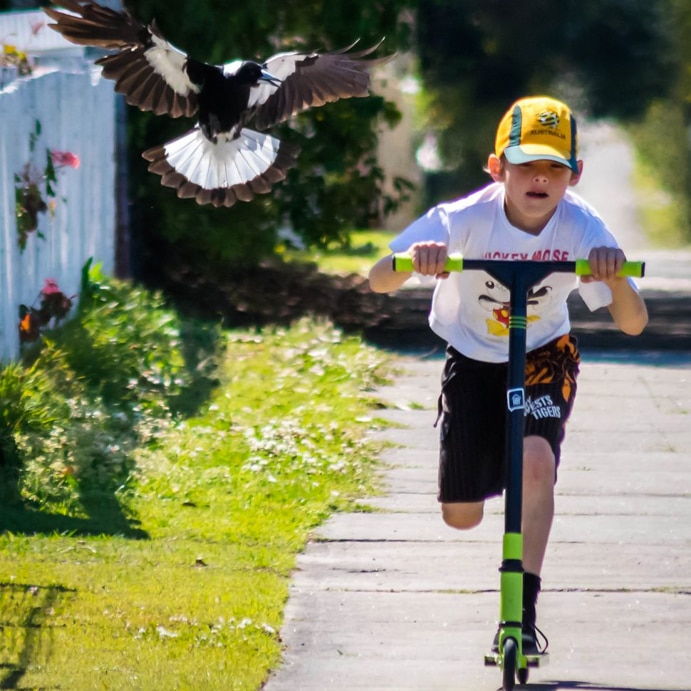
<point x="109" y="380"/>
<point x="53" y="307"/>
<point x="35" y="188"/>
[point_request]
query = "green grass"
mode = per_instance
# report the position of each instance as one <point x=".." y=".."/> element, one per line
<point x="367" y="246"/>
<point x="159" y="557"/>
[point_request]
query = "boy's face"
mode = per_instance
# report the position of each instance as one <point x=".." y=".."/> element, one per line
<point x="533" y="190"/>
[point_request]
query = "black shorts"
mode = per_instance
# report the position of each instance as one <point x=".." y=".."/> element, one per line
<point x="472" y="409"/>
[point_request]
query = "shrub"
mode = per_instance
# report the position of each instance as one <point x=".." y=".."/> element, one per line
<point x="93" y="390"/>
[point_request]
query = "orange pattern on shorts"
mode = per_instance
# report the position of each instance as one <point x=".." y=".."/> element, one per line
<point x="546" y="364"/>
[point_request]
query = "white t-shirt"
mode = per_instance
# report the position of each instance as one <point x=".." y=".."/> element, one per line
<point x="470" y="309"/>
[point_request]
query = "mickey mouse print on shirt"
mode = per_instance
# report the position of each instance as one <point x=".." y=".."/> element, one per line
<point x="497" y="299"/>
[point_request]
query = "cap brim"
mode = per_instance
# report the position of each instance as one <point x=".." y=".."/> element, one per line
<point x="536" y="152"/>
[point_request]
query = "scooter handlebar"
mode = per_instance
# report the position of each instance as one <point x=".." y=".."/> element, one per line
<point x="404" y="262"/>
<point x="632" y="269"/>
<point x="581" y="267"/>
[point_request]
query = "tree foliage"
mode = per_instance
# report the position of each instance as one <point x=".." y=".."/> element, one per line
<point x="606" y="57"/>
<point x="336" y="184"/>
<point x="662" y="135"/>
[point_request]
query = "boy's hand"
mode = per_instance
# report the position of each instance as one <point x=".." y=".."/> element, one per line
<point x="429" y="259"/>
<point x="605" y="263"/>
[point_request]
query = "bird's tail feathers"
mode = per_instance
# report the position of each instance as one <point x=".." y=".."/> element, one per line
<point x="225" y="171"/>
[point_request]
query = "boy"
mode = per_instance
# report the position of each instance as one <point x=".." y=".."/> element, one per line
<point x="528" y="212"/>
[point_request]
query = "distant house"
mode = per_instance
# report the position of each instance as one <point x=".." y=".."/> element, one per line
<point x="58" y="146"/>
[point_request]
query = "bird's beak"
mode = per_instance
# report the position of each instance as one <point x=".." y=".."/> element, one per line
<point x="268" y="77"/>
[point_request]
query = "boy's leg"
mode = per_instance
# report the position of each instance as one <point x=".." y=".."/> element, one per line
<point x="538" y="504"/>
<point x="538" y="501"/>
<point x="551" y="374"/>
<point x="538" y="512"/>
<point x="463" y="515"/>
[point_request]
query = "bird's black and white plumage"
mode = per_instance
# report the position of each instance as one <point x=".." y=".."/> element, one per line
<point x="220" y="161"/>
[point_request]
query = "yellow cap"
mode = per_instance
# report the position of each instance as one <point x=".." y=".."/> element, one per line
<point x="538" y="128"/>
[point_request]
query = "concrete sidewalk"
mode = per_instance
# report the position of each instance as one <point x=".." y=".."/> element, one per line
<point x="397" y="600"/>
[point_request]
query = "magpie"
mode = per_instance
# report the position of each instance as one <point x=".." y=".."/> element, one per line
<point x="219" y="161"/>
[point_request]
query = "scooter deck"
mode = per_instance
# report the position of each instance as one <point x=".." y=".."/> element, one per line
<point x="539" y="660"/>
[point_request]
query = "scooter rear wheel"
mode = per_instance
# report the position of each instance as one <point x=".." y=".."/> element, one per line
<point x="509" y="670"/>
<point x="522" y="675"/>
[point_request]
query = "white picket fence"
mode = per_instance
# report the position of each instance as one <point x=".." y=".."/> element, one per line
<point x="75" y="112"/>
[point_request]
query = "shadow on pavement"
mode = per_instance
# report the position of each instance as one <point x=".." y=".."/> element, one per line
<point x="586" y="686"/>
<point x="652" y="358"/>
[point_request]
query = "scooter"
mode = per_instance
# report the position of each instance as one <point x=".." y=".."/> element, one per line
<point x="519" y="277"/>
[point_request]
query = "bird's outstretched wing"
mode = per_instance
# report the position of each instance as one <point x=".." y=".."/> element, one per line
<point x="148" y="70"/>
<point x="311" y="79"/>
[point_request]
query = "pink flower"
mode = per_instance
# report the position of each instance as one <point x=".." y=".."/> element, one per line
<point x="50" y="287"/>
<point x="36" y="27"/>
<point x="64" y="158"/>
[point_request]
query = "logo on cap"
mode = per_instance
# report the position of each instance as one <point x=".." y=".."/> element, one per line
<point x="548" y="118"/>
<point x="536" y="128"/>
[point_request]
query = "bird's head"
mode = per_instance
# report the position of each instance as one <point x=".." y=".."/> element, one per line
<point x="252" y="73"/>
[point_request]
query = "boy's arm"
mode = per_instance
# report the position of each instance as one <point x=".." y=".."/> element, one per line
<point x="383" y="279"/>
<point x="627" y="308"/>
<point x="429" y="259"/>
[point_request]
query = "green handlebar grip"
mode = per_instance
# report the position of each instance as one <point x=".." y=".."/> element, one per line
<point x="404" y="262"/>
<point x="633" y="269"/>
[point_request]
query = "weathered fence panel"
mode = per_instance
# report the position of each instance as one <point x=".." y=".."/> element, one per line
<point x="67" y="112"/>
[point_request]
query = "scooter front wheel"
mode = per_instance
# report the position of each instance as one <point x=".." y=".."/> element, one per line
<point x="510" y="655"/>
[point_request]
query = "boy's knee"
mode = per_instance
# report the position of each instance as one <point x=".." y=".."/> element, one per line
<point x="538" y="460"/>
<point x="462" y="516"/>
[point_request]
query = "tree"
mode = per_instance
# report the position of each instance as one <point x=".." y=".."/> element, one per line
<point x="336" y="185"/>
<point x="605" y="57"/>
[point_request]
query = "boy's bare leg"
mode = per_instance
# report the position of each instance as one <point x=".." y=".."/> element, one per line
<point x="538" y="504"/>
<point x="538" y="513"/>
<point x="463" y="515"/>
<point x="538" y="501"/>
